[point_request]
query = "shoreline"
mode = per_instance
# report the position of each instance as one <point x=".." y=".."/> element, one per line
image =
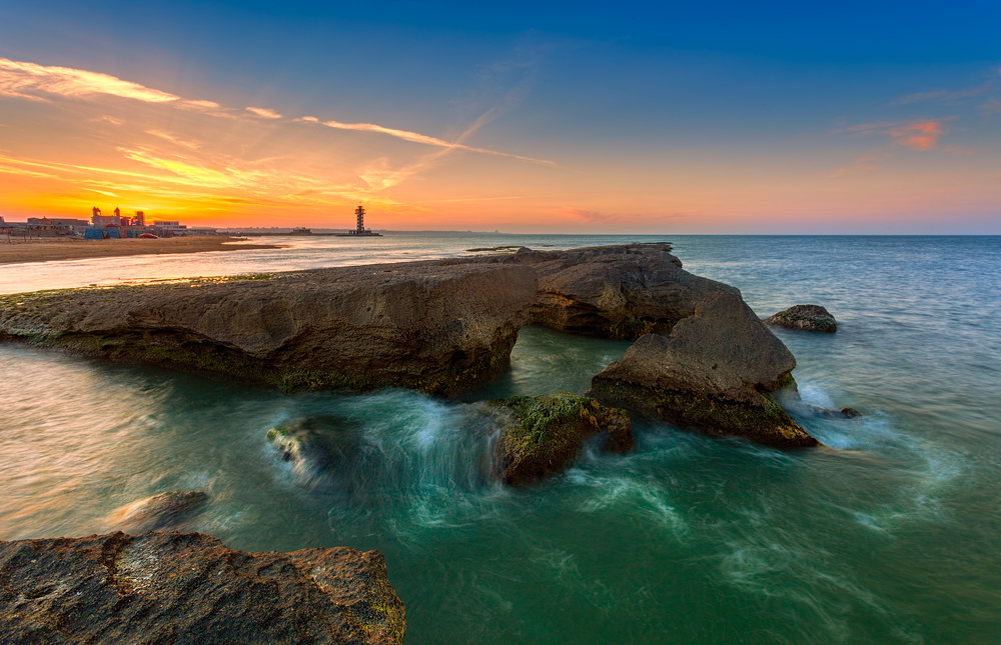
<point x="48" y="250"/>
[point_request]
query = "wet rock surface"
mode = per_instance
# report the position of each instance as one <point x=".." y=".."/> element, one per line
<point x="541" y="435"/>
<point x="619" y="292"/>
<point x="190" y="588"/>
<point x="713" y="372"/>
<point x="806" y="318"/>
<point x="440" y="326"/>
<point x="173" y="510"/>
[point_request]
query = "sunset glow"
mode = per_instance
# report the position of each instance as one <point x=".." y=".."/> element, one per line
<point x="534" y="127"/>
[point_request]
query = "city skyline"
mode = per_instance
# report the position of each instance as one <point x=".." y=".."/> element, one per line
<point x="530" y="119"/>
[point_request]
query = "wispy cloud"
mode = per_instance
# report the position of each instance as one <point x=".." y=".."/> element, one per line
<point x="170" y="138"/>
<point x="917" y="135"/>
<point x="862" y="164"/>
<point x="264" y="113"/>
<point x="417" y="137"/>
<point x="28" y="80"/>
<point x="946" y="95"/>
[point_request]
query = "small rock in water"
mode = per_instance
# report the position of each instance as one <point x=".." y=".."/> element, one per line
<point x="541" y="435"/>
<point x="850" y="413"/>
<point x="805" y="317"/>
<point x="168" y="511"/>
<point x="318" y="448"/>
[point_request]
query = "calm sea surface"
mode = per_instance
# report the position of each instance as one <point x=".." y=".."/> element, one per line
<point x="891" y="533"/>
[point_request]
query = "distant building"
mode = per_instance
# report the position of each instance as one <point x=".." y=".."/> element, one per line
<point x="139" y="219"/>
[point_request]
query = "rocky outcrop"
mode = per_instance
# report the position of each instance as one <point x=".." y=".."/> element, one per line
<point x="190" y="588"/>
<point x="440" y="326"/>
<point x="169" y="511"/>
<point x="541" y="435"/>
<point x="714" y="372"/>
<point x="806" y="318"/>
<point x="614" y="291"/>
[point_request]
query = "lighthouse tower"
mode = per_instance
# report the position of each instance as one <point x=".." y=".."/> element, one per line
<point x="360" y="212"/>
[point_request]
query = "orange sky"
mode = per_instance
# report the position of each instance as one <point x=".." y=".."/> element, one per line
<point x="74" y="138"/>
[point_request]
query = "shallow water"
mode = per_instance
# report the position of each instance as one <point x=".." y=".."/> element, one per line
<point x="887" y="534"/>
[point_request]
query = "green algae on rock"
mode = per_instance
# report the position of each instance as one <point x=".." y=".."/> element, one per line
<point x="541" y="435"/>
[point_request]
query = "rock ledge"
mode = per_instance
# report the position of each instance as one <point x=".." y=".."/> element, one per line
<point x="190" y="588"/>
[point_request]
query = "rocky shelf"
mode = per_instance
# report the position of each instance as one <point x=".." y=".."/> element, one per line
<point x="702" y="358"/>
<point x="190" y="588"/>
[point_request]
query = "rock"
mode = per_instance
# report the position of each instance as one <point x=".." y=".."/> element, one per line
<point x="714" y="372"/>
<point x="805" y="317"/>
<point x="439" y="326"/>
<point x="168" y="511"/>
<point x="614" y="291"/>
<point x="541" y="435"/>
<point x="850" y="413"/>
<point x="318" y="449"/>
<point x="190" y="588"/>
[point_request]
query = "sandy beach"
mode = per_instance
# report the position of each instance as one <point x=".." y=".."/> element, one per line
<point x="44" y="250"/>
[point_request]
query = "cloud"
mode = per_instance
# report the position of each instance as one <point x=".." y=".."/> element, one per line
<point x="25" y="80"/>
<point x="28" y="80"/>
<point x="264" y="113"/>
<point x="922" y="135"/>
<point x="865" y="163"/>
<point x="417" y="137"/>
<point x="917" y="135"/>
<point x="166" y="136"/>
<point x="945" y="95"/>
<point x="992" y="106"/>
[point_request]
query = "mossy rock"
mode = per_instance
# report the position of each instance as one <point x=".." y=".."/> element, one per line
<point x="761" y="419"/>
<point x="542" y="434"/>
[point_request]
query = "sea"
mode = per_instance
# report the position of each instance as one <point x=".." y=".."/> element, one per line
<point x="888" y="533"/>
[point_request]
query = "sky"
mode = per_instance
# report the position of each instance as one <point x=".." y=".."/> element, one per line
<point x="581" y="117"/>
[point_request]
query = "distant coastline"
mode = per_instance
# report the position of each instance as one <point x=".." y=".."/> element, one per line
<point x="48" y="249"/>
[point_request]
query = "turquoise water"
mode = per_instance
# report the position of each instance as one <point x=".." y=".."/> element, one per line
<point x="888" y="534"/>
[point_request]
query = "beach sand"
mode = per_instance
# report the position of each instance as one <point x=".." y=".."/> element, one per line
<point x="46" y="249"/>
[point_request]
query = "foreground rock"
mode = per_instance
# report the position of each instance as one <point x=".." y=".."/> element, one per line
<point x="615" y="291"/>
<point x="713" y="372"/>
<point x="541" y="435"/>
<point x="169" y="511"/>
<point x="805" y="317"/>
<point x="190" y="588"/>
<point x="440" y="326"/>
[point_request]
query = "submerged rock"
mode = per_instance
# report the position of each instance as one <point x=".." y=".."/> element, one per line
<point x="541" y="435"/>
<point x="805" y="317"/>
<point x="318" y="449"/>
<point x="169" y="511"/>
<point x="713" y="372"/>
<point x="440" y="326"/>
<point x="191" y="588"/>
<point x="619" y="292"/>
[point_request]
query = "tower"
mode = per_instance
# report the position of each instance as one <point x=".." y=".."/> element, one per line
<point x="360" y="212"/>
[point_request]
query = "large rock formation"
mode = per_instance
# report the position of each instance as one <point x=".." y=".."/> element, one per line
<point x="713" y="372"/>
<point x="190" y="588"/>
<point x="806" y="318"/>
<point x="541" y="435"/>
<point x="440" y="326"/>
<point x="614" y="291"/>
